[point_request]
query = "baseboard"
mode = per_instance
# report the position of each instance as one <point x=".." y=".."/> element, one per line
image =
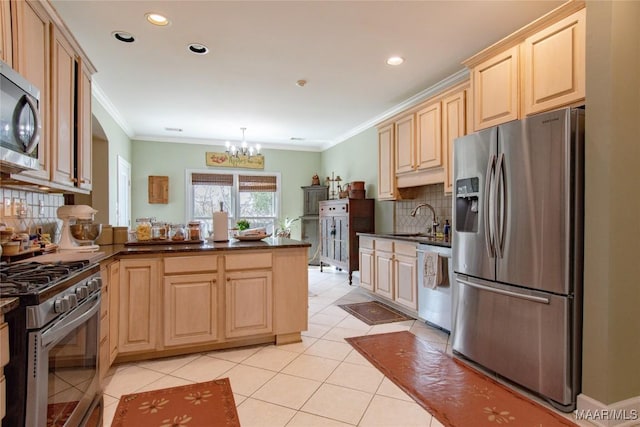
<point x="625" y="413"/>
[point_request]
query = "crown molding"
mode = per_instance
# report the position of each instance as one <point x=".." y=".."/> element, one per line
<point x="103" y="99"/>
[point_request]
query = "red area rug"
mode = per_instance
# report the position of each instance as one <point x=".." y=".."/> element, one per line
<point x="58" y="413"/>
<point x="208" y="404"/>
<point x="374" y="312"/>
<point x="454" y="393"/>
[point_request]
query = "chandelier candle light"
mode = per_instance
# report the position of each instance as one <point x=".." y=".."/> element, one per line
<point x="244" y="149"/>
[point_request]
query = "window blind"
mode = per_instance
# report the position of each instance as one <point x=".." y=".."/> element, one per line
<point x="212" y="179"/>
<point x="257" y="183"/>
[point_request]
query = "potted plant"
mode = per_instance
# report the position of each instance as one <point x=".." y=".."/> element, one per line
<point x="284" y="227"/>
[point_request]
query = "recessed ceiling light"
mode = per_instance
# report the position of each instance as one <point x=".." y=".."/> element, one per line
<point x="301" y="83"/>
<point x="198" y="49"/>
<point x="123" y="36"/>
<point x="157" y="19"/>
<point x="173" y="129"/>
<point x="395" y="60"/>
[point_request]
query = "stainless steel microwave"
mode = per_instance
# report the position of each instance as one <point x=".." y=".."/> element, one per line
<point x="20" y="126"/>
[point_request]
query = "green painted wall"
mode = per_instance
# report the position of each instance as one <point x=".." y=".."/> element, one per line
<point x="356" y="159"/>
<point x="172" y="159"/>
<point x="119" y="145"/>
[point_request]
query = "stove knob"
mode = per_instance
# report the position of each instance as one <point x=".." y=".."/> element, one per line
<point x="61" y="305"/>
<point x="82" y="291"/>
<point x="73" y="300"/>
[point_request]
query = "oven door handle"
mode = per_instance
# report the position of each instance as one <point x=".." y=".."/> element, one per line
<point x="75" y="318"/>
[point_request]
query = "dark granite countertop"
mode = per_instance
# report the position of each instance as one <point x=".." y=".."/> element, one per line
<point x="411" y="237"/>
<point x="8" y="304"/>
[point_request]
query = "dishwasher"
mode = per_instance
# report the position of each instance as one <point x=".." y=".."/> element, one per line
<point x="436" y="306"/>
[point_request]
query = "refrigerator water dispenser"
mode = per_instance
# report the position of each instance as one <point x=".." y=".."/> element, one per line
<point x="467" y="205"/>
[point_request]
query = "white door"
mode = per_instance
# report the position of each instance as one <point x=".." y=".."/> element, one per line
<point x="123" y="207"/>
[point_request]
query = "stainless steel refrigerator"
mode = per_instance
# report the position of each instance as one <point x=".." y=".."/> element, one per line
<point x="518" y="251"/>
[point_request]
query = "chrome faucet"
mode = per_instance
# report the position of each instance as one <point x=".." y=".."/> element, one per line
<point x="434" y="223"/>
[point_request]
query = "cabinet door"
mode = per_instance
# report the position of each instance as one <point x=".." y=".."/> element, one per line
<point x="429" y="139"/>
<point x="62" y="111"/>
<point x="31" y="47"/>
<point x="405" y="280"/>
<point x="341" y="228"/>
<point x="384" y="274"/>
<point x="190" y="309"/>
<point x="326" y="237"/>
<point x="312" y="199"/>
<point x="84" y="138"/>
<point x="495" y="90"/>
<point x="453" y="126"/>
<point x="5" y="32"/>
<point x="309" y="231"/>
<point x="249" y="302"/>
<point x="554" y="65"/>
<point x="367" y="270"/>
<point x="139" y="302"/>
<point x="386" y="168"/>
<point x="114" y="312"/>
<point x="404" y="141"/>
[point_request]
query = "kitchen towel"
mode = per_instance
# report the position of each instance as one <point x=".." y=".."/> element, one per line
<point x="433" y="267"/>
<point x="220" y="226"/>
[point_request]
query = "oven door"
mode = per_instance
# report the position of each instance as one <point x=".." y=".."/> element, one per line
<point x="63" y="383"/>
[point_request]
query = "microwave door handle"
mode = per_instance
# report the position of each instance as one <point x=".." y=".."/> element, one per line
<point x="499" y="215"/>
<point x="35" y="136"/>
<point x="487" y="211"/>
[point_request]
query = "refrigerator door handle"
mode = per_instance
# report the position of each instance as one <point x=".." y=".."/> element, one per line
<point x="499" y="209"/>
<point x="531" y="298"/>
<point x="488" y="212"/>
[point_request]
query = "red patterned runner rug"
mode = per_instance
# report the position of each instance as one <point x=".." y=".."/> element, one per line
<point x="454" y="393"/>
<point x="208" y="404"/>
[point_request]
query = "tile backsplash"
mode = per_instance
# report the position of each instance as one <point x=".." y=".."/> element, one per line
<point x="421" y="223"/>
<point x="28" y="211"/>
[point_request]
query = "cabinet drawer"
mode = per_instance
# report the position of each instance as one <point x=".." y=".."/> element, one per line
<point x="190" y="264"/>
<point x="328" y="209"/>
<point x="384" y="245"/>
<point x="408" y="249"/>
<point x="366" y="243"/>
<point x="4" y="344"/>
<point x="248" y="261"/>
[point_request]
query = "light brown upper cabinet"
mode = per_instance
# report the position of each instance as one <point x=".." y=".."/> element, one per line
<point x="404" y="143"/>
<point x="540" y="67"/>
<point x="453" y="125"/>
<point x="5" y="33"/>
<point x="84" y="133"/>
<point x="386" y="171"/>
<point x="428" y="145"/>
<point x="553" y="65"/>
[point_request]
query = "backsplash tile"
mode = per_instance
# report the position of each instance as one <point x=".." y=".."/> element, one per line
<point x="31" y="210"/>
<point x="421" y="223"/>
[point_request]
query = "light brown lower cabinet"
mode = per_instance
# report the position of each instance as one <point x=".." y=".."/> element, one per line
<point x="249" y="303"/>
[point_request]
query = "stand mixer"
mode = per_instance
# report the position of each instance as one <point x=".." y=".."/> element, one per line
<point x="84" y="233"/>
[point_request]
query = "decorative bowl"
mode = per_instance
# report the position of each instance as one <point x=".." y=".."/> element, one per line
<point x="85" y="233"/>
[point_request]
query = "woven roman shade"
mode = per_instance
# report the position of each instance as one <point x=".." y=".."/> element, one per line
<point x="257" y="183"/>
<point x="212" y="179"/>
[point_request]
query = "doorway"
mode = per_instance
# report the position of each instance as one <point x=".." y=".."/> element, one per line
<point x="123" y="205"/>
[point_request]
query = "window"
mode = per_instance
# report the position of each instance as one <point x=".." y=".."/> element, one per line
<point x="251" y="196"/>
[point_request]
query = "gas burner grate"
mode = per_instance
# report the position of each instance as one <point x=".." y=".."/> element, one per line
<point x="32" y="276"/>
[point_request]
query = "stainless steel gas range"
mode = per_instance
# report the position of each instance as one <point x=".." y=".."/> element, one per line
<point x="52" y="376"/>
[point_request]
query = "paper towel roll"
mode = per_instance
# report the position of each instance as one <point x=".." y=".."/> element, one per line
<point x="220" y="227"/>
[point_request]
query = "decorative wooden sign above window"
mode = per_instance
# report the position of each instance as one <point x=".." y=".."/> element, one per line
<point x="235" y="161"/>
<point x="158" y="189"/>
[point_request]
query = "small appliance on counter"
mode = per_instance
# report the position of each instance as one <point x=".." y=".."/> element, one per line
<point x="78" y="232"/>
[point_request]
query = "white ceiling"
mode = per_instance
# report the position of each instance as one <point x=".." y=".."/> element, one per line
<point x="259" y="49"/>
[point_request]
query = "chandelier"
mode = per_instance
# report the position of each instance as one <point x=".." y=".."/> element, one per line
<point x="244" y="150"/>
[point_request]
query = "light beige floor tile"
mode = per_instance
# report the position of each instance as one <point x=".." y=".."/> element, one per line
<point x="357" y="358"/>
<point x="302" y="419"/>
<point x="429" y="334"/>
<point x="351" y="322"/>
<point x="203" y="369"/>
<point x="235" y="355"/>
<point x="385" y="411"/>
<point x="299" y="347"/>
<point x="329" y="349"/>
<point x="311" y="367"/>
<point x="262" y="414"/>
<point x="169" y="364"/>
<point x="245" y="380"/>
<point x="316" y="331"/>
<point x="389" y="389"/>
<point x="109" y="410"/>
<point x="287" y="390"/>
<point x="271" y="358"/>
<point x="325" y="319"/>
<point x="238" y="398"/>
<point x="391" y="327"/>
<point x="334" y="310"/>
<point x="363" y="378"/>
<point x="129" y="380"/>
<point x="338" y="403"/>
<point x="339" y="334"/>
<point x="166" y="381"/>
<point x="435" y="423"/>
